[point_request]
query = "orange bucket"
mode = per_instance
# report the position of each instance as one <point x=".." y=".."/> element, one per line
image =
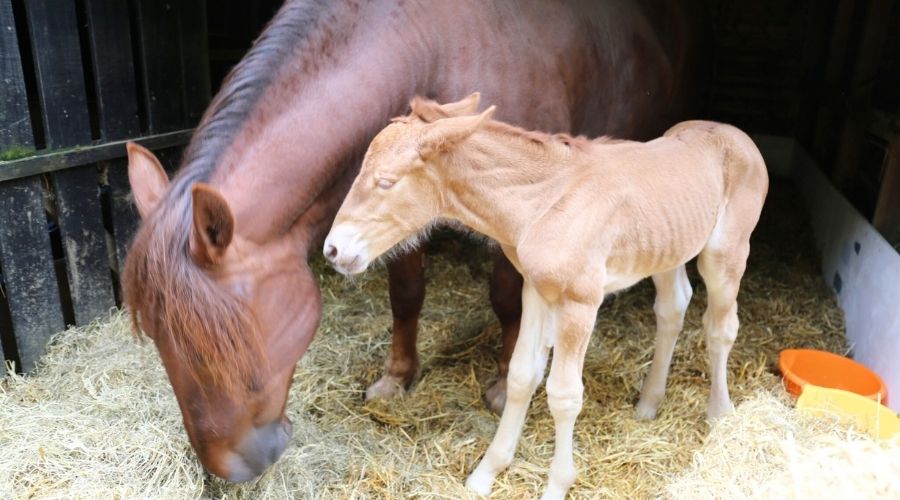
<point x="824" y="369"/>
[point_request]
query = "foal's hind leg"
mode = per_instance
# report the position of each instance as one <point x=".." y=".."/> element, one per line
<point x="406" y="279"/>
<point x="722" y="266"/>
<point x="506" y="298"/>
<point x="673" y="294"/>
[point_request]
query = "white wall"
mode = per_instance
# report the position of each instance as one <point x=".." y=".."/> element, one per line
<point x="857" y="263"/>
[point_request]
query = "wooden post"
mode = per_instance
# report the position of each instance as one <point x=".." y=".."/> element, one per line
<point x="31" y="291"/>
<point x="55" y="39"/>
<point x="863" y="74"/>
<point x="887" y="211"/>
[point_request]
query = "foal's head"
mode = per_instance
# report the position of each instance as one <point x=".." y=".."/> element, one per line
<point x="230" y="317"/>
<point x="400" y="188"/>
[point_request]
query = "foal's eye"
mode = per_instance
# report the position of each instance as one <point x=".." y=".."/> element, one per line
<point x="386" y="183"/>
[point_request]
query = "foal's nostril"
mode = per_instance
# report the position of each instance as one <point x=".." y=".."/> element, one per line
<point x="331" y="251"/>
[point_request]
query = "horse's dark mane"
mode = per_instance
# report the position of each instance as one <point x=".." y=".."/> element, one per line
<point x="212" y="331"/>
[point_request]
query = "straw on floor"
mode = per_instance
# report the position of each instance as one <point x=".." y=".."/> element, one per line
<point x="99" y="420"/>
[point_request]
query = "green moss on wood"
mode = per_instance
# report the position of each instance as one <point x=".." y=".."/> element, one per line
<point x="15" y="153"/>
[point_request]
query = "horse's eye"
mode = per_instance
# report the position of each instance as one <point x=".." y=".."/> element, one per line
<point x="386" y="183"/>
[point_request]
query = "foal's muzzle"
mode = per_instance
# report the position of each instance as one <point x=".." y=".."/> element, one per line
<point x="345" y="250"/>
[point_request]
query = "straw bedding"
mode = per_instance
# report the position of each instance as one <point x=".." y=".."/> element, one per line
<point x="98" y="419"/>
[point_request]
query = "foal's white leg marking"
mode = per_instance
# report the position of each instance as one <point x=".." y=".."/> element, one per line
<point x="673" y="294"/>
<point x="526" y="370"/>
<point x="722" y="270"/>
<point x="565" y="391"/>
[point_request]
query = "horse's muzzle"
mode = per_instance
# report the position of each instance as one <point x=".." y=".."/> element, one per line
<point x="260" y="449"/>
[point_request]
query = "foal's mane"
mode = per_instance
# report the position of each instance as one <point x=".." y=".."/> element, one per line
<point x="212" y="331"/>
<point x="533" y="137"/>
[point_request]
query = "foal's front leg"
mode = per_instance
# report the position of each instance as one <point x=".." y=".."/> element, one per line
<point x="565" y="390"/>
<point x="406" y="279"/>
<point x="526" y="369"/>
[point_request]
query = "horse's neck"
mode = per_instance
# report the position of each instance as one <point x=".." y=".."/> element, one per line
<point x="499" y="185"/>
<point x="303" y="136"/>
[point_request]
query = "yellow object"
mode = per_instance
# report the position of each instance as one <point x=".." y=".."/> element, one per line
<point x="864" y="413"/>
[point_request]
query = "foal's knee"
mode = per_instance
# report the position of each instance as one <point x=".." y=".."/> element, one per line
<point x="721" y="324"/>
<point x="521" y="382"/>
<point x="564" y="400"/>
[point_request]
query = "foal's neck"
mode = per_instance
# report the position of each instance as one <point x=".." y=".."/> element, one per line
<point x="500" y="180"/>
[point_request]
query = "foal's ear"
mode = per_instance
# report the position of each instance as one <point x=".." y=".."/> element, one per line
<point x="466" y="106"/>
<point x="148" y="180"/>
<point x="430" y="111"/>
<point x="445" y="134"/>
<point x="213" y="225"/>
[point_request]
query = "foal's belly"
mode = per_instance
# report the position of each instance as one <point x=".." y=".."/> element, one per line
<point x="616" y="281"/>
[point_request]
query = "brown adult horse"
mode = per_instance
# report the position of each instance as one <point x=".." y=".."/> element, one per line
<point x="217" y="275"/>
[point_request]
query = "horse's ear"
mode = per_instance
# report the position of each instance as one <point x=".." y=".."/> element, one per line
<point x="148" y="180"/>
<point x="213" y="225"/>
<point x="445" y="134"/>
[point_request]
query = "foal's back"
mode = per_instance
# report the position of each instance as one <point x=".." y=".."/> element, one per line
<point x="655" y="204"/>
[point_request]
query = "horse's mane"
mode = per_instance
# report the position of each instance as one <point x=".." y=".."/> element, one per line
<point x="212" y="331"/>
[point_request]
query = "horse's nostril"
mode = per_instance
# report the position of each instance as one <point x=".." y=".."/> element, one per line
<point x="331" y="251"/>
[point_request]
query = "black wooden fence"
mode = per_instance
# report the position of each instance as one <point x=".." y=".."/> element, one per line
<point x="78" y="78"/>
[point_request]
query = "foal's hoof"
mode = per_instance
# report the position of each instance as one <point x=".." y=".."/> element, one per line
<point x="717" y="409"/>
<point x="387" y="387"/>
<point x="644" y="411"/>
<point x="495" y="397"/>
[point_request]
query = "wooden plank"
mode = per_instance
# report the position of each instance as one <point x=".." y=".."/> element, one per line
<point x="55" y="39"/>
<point x="15" y="121"/>
<point x="159" y="40"/>
<point x="53" y="27"/>
<point x="862" y="78"/>
<point x="83" y="237"/>
<point x="124" y="214"/>
<point x="887" y="211"/>
<point x="31" y="284"/>
<point x="63" y="159"/>
<point x="194" y="58"/>
<point x="110" y="42"/>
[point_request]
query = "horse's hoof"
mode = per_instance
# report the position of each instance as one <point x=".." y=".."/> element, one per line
<point x="386" y="387"/>
<point x="495" y="397"/>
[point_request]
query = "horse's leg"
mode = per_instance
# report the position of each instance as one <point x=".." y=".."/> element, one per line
<point x="406" y="279"/>
<point x="526" y="370"/>
<point x="506" y="298"/>
<point x="722" y="266"/>
<point x="673" y="294"/>
<point x="565" y="390"/>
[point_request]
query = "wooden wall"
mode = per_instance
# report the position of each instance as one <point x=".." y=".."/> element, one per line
<point x="81" y="77"/>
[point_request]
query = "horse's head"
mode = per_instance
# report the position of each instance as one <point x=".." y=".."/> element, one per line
<point x="230" y="317"/>
<point x="399" y="191"/>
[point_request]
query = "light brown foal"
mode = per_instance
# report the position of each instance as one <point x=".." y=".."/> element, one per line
<point x="579" y="219"/>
